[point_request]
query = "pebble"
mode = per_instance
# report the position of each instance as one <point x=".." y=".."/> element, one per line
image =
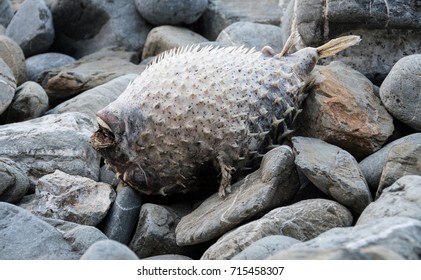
<point x="6" y="12"/>
<point x="108" y="250"/>
<point x="399" y="91"/>
<point x="14" y="183"/>
<point x="71" y="198"/>
<point x="32" y="27"/>
<point x="303" y="221"/>
<point x="13" y="56"/>
<point x="109" y="177"/>
<point x="37" y="64"/>
<point x="271" y="186"/>
<point x="173" y="12"/>
<point x="7" y="86"/>
<point x="334" y="171"/>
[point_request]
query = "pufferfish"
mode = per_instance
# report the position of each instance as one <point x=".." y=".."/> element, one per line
<point x="200" y="109"/>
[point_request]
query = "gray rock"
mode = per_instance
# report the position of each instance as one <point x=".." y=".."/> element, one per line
<point x="71" y="198"/>
<point x="221" y="13"/>
<point x="155" y="232"/>
<point x="167" y="37"/>
<point x="7" y="86"/>
<point x="303" y="221"/>
<point x="169" y="257"/>
<point x="372" y="166"/>
<point x="274" y="184"/>
<point x="52" y="142"/>
<point x="336" y="111"/>
<point x="399" y="235"/>
<point x="402" y="199"/>
<point x="37" y="64"/>
<point x="91" y="101"/>
<point x="88" y="72"/>
<point x="6" y="12"/>
<point x="2" y="30"/>
<point x="86" y="26"/>
<point x="13" y="56"/>
<point x="123" y="215"/>
<point x="30" y="101"/>
<point x="32" y="27"/>
<point x="399" y="91"/>
<point x="14" y="183"/>
<point x="266" y="247"/>
<point x="334" y="171"/>
<point x="108" y="250"/>
<point x="108" y="176"/>
<point x="252" y="35"/>
<point x="171" y="12"/>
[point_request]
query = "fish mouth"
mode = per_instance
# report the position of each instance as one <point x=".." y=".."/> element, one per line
<point x="104" y="137"/>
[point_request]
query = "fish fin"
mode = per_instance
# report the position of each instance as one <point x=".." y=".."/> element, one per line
<point x="292" y="40"/>
<point x="226" y="170"/>
<point x="336" y="45"/>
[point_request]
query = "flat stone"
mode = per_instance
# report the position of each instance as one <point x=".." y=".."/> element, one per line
<point x="334" y="171"/>
<point x="108" y="250"/>
<point x="14" y="183"/>
<point x="6" y="12"/>
<point x="13" y="56"/>
<point x="7" y="86"/>
<point x="303" y="221"/>
<point x="275" y="183"/>
<point x="37" y="64"/>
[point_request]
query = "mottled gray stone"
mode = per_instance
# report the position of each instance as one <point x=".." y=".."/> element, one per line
<point x="108" y="176"/>
<point x="7" y="86"/>
<point x="6" y="12"/>
<point x="13" y="56"/>
<point x="32" y="27"/>
<point x="108" y="250"/>
<point x="14" y="183"/>
<point x="123" y="215"/>
<point x="303" y="221"/>
<point x="275" y="183"/>
<point x="37" y="64"/>
<point x="334" y="171"/>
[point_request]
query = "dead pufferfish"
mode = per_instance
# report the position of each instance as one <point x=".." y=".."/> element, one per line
<point x="193" y="106"/>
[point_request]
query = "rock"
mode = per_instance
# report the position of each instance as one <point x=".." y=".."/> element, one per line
<point x="14" y="183"/>
<point x="109" y="177"/>
<point x="27" y="237"/>
<point x="6" y="12"/>
<point x="13" y="56"/>
<point x="402" y="199"/>
<point x="303" y="221"/>
<point x="386" y="27"/>
<point x="167" y="37"/>
<point x="86" y="26"/>
<point x="372" y="166"/>
<point x="400" y="236"/>
<point x="88" y="72"/>
<point x="222" y="13"/>
<point x="336" y="111"/>
<point x="2" y="30"/>
<point x="252" y="35"/>
<point x="155" y="232"/>
<point x="275" y="183"/>
<point x="52" y="142"/>
<point x="7" y="86"/>
<point x="37" y="64"/>
<point x="123" y="215"/>
<point x="108" y="250"/>
<point x="399" y="91"/>
<point x="169" y="257"/>
<point x="334" y="171"/>
<point x="91" y="101"/>
<point x="32" y="27"/>
<point x="265" y="247"/>
<point x="71" y="198"/>
<point x="30" y="102"/>
<point x="171" y="12"/>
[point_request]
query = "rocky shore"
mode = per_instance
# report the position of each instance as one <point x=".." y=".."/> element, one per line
<point x="346" y="184"/>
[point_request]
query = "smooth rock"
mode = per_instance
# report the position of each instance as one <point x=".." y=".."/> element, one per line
<point x="37" y="64"/>
<point x="86" y="26"/>
<point x="252" y="35"/>
<point x="88" y="72"/>
<point x="171" y="12"/>
<point x="13" y="56"/>
<point x="334" y="171"/>
<point x="14" y="183"/>
<point x="52" y="142"/>
<point x="30" y="102"/>
<point x="303" y="221"/>
<point x="2" y="30"/>
<point x="108" y="176"/>
<point x="32" y="27"/>
<point x="123" y="215"/>
<point x="343" y="110"/>
<point x="71" y="198"/>
<point x="274" y="184"/>
<point x="266" y="247"/>
<point x="168" y="257"/>
<point x="108" y="250"/>
<point x="399" y="92"/>
<point x="167" y="37"/>
<point x="6" y="12"/>
<point x="401" y="199"/>
<point x="91" y="101"/>
<point x="399" y="235"/>
<point x="7" y="86"/>
<point x="221" y="13"/>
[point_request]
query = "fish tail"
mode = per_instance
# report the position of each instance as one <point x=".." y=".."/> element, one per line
<point x="336" y="45"/>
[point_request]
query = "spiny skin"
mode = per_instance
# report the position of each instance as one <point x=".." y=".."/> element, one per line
<point x="196" y="106"/>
